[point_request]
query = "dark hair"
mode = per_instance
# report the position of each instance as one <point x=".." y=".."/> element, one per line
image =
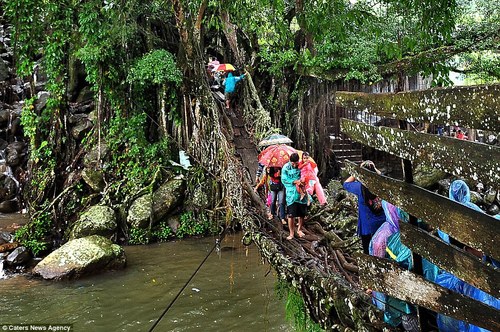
<point x="294" y="157"/>
<point x="273" y="170"/>
<point x="367" y="194"/>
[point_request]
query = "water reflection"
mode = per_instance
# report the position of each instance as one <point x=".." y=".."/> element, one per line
<point x="231" y="292"/>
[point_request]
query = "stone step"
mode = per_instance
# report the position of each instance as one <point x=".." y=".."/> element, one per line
<point x="350" y="151"/>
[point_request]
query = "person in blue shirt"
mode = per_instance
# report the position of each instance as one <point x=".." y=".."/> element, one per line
<point x="368" y="221"/>
<point x="229" y="87"/>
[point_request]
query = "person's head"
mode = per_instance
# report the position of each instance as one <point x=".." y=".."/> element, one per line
<point x="229" y="74"/>
<point x="305" y="156"/>
<point x="369" y="165"/>
<point x="294" y="159"/>
<point x="459" y="191"/>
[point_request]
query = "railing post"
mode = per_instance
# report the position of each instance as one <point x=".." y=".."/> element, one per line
<point x="423" y="314"/>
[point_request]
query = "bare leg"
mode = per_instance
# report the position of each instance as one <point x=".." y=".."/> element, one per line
<point x="227" y="103"/>
<point x="291" y="227"/>
<point x="300" y="226"/>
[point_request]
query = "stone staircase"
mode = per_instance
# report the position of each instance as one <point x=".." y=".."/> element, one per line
<point x="344" y="148"/>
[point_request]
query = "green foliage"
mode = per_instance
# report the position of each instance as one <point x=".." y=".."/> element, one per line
<point x="191" y="225"/>
<point x="138" y="160"/>
<point x="295" y="308"/>
<point x="138" y="236"/>
<point x="29" y="120"/>
<point x="483" y="66"/>
<point x="27" y="32"/>
<point x="35" y="235"/>
<point x="156" y="67"/>
<point x="162" y="232"/>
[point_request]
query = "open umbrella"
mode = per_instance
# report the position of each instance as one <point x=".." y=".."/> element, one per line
<point x="224" y="67"/>
<point x="275" y="139"/>
<point x="276" y="155"/>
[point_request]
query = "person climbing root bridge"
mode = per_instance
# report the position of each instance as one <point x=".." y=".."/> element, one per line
<point x="296" y="207"/>
<point x="230" y="87"/>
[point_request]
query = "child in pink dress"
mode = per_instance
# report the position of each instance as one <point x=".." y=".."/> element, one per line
<point x="309" y="182"/>
<point x="307" y="174"/>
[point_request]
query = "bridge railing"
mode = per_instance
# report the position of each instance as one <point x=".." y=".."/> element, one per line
<point x="475" y="107"/>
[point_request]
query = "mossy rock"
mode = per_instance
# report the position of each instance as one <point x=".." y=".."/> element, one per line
<point x="139" y="213"/>
<point x="94" y="179"/>
<point x="167" y="197"/>
<point x="91" y="158"/>
<point x="79" y="257"/>
<point x="155" y="207"/>
<point x="97" y="220"/>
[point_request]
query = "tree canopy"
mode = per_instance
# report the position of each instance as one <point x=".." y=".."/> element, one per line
<point x="145" y="63"/>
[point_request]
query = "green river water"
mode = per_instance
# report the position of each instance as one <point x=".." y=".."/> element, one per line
<point x="233" y="291"/>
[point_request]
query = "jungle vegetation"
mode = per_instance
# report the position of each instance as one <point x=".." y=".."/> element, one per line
<point x="144" y="62"/>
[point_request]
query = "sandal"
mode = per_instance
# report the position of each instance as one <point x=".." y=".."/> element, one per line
<point x="300" y="234"/>
<point x="283" y="222"/>
<point x="289" y="237"/>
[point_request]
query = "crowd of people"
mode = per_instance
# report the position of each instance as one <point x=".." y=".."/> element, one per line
<point x="290" y="190"/>
<point x="378" y="227"/>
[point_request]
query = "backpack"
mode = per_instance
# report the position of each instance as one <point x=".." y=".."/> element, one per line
<point x="276" y="186"/>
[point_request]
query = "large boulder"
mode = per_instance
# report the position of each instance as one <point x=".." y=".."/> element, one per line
<point x="139" y="213"/>
<point x="156" y="206"/>
<point x="80" y="257"/>
<point x="97" y="220"/>
<point x="9" y="206"/>
<point x="168" y="197"/>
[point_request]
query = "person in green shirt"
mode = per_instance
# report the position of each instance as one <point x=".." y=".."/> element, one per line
<point x="296" y="207"/>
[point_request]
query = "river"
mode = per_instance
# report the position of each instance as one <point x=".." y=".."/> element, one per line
<point x="232" y="291"/>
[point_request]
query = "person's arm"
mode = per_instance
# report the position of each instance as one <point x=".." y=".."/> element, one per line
<point x="352" y="185"/>
<point x="350" y="179"/>
<point x="261" y="182"/>
<point x="285" y="178"/>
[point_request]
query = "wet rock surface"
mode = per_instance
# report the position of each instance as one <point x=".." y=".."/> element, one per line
<point x="80" y="257"/>
<point x="97" y="220"/>
<point x="13" y="150"/>
<point x="154" y="207"/>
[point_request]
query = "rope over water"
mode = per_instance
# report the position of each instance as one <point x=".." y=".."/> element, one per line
<point x="215" y="246"/>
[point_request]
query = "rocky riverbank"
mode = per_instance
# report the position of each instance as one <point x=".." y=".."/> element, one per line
<point x="13" y="149"/>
